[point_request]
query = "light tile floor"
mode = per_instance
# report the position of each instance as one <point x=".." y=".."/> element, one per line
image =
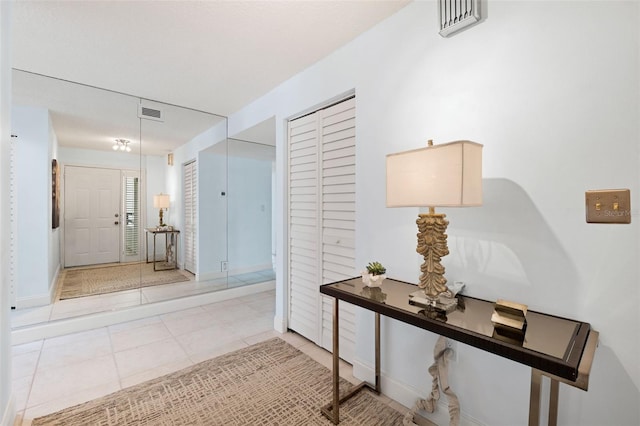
<point x="68" y="308"/>
<point x="55" y="373"/>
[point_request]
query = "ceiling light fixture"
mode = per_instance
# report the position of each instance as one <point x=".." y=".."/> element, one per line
<point x="122" y="145"/>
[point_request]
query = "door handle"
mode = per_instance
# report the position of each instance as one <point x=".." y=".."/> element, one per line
<point x="117" y="215"/>
<point x="116" y="222"/>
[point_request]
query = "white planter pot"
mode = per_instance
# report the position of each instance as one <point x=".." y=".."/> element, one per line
<point x="371" y="280"/>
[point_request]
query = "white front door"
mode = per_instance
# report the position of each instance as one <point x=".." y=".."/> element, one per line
<point x="91" y="215"/>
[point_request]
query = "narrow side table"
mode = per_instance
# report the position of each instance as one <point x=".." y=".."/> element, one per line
<point x="170" y="248"/>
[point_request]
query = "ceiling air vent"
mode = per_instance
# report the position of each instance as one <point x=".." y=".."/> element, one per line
<point x="149" y="113"/>
<point x="455" y="15"/>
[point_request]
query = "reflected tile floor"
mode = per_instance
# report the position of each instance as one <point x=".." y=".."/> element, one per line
<point x="55" y="373"/>
<point x="68" y="308"/>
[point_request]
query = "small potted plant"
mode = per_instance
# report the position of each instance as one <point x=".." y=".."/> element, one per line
<point x="375" y="274"/>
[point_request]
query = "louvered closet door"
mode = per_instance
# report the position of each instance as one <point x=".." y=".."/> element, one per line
<point x="190" y="212"/>
<point x="304" y="255"/>
<point x="338" y="218"/>
<point x="322" y="221"/>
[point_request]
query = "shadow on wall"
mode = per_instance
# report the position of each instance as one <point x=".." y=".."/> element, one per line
<point x="608" y="377"/>
<point x="505" y="249"/>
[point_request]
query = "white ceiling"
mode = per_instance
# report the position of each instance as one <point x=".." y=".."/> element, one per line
<point x="214" y="56"/>
<point x="89" y="118"/>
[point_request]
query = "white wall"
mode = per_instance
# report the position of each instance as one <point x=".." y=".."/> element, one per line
<point x="33" y="189"/>
<point x="95" y="158"/>
<point x="249" y="214"/>
<point x="54" y="234"/>
<point x="155" y="171"/>
<point x="552" y="91"/>
<point x="7" y="407"/>
<point x="211" y="245"/>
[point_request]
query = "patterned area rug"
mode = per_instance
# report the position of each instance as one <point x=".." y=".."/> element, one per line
<point x="270" y="383"/>
<point x="92" y="281"/>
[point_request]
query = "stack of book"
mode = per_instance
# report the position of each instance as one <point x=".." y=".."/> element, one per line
<point x="509" y="321"/>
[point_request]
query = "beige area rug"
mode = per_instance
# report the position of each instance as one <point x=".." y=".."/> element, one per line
<point x="109" y="279"/>
<point x="270" y="383"/>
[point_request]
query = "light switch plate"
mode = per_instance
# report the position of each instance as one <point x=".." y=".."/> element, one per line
<point x="608" y="206"/>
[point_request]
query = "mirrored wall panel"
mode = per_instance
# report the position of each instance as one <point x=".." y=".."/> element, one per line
<point x="76" y="186"/>
<point x="119" y="201"/>
<point x="251" y="186"/>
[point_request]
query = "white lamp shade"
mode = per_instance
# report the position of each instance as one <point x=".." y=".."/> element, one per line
<point x="444" y="175"/>
<point x="161" y="201"/>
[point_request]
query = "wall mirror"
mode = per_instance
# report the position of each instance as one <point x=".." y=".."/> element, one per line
<point x="104" y="159"/>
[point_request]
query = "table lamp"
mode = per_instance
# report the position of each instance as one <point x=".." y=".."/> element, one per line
<point x="445" y="175"/>
<point x="161" y="201"/>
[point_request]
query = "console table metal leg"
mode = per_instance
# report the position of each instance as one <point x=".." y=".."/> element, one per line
<point x="336" y="365"/>
<point x="377" y="339"/>
<point x="154" y="252"/>
<point x="553" y="402"/>
<point x="332" y="410"/>
<point x="166" y="248"/>
<point x="534" y="399"/>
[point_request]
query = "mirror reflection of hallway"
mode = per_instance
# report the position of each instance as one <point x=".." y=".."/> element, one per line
<point x="77" y="125"/>
<point x="251" y="194"/>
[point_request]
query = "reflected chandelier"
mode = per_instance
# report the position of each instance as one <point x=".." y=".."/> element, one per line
<point x="121" y="145"/>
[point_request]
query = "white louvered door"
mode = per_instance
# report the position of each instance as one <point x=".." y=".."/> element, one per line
<point x="304" y="256"/>
<point x="339" y="218"/>
<point x="190" y="218"/>
<point x="322" y="221"/>
<point x="131" y="237"/>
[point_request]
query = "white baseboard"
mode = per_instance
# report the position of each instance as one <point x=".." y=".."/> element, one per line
<point x="408" y="395"/>
<point x="9" y="413"/>
<point x="237" y="271"/>
<point x="279" y="324"/>
<point x="103" y="319"/>
<point x="43" y="299"/>
<point x="250" y="269"/>
<point x="34" y="301"/>
<point x="210" y="276"/>
<point x="52" y="284"/>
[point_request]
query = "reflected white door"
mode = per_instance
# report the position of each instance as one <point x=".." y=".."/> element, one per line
<point x="91" y="215"/>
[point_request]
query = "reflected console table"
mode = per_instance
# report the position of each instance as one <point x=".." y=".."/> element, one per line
<point x="559" y="348"/>
<point x="170" y="248"/>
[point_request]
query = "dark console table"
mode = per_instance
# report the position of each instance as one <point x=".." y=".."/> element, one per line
<point x="559" y="348"/>
<point x="170" y="248"/>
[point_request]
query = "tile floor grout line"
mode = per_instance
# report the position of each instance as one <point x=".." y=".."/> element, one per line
<point x="33" y="377"/>
<point x="113" y="357"/>
<point x="244" y="336"/>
